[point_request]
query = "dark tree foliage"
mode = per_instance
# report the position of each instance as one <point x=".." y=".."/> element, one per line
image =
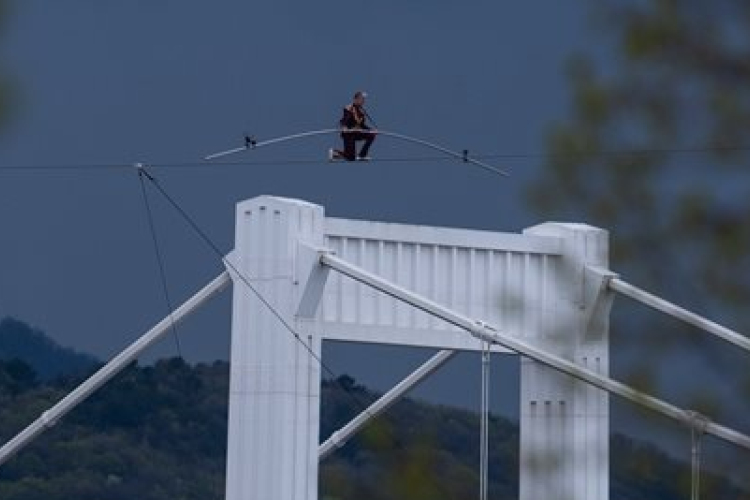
<point x="657" y="146"/>
<point x="159" y="432"/>
<point x="16" y="377"/>
<point x="48" y="359"/>
<point x="154" y="432"/>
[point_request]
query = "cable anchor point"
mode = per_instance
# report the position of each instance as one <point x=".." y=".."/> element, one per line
<point x="141" y="169"/>
<point x="697" y="421"/>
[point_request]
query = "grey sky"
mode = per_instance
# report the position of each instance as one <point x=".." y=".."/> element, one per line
<point x="169" y="81"/>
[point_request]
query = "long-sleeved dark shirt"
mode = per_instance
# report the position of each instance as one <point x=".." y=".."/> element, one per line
<point x="354" y="117"/>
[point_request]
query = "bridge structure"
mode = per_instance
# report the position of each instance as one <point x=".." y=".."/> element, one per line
<point x="300" y="278"/>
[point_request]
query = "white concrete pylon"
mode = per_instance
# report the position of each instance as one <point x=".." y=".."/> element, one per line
<point x="565" y="423"/>
<point x="274" y="402"/>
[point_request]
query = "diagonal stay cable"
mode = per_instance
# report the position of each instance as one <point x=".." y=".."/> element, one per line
<point x="159" y="258"/>
<point x="206" y="239"/>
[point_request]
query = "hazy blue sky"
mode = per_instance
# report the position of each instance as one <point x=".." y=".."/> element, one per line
<point x="168" y="81"/>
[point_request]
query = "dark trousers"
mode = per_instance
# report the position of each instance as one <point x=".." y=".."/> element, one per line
<point x="350" y="144"/>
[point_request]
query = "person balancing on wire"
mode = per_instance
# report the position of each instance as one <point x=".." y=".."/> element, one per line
<point x="354" y="128"/>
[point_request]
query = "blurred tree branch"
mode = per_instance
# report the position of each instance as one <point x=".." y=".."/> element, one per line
<point x="656" y="150"/>
<point x="657" y="146"/>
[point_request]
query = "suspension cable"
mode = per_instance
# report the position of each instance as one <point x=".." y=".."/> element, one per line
<point x="698" y="425"/>
<point x="484" y="423"/>
<point x="202" y="234"/>
<point x="162" y="271"/>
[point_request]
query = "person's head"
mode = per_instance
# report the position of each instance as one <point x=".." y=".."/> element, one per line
<point x="359" y="97"/>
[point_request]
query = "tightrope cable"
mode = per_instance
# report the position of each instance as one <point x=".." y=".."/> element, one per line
<point x="111" y="167"/>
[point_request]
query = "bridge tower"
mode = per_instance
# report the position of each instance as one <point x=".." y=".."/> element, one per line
<point x="533" y="286"/>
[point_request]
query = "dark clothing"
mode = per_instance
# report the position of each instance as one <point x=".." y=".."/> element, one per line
<point x="350" y="144"/>
<point x="355" y="118"/>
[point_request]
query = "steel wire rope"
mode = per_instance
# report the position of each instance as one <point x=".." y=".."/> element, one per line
<point x="59" y="168"/>
<point x="484" y="421"/>
<point x="159" y="257"/>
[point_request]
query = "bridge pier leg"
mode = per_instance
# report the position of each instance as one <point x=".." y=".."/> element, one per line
<point x="565" y="424"/>
<point x="274" y="402"/>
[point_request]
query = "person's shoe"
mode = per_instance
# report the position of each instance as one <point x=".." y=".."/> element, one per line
<point x="331" y="155"/>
